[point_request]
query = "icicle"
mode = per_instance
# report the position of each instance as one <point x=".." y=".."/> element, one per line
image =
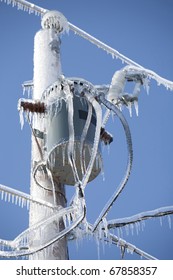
<point x="105" y="225"/>
<point x="118" y="232"/>
<point x="132" y="228"/>
<point x="98" y="245"/>
<point x="12" y="198"/>
<point x="122" y="251"/>
<point x="21" y="112"/>
<point x="9" y="197"/>
<point x="22" y="202"/>
<point x="19" y="201"/>
<point x="2" y="195"/>
<point x="137" y="228"/>
<point x="130" y="108"/>
<point x="161" y="221"/>
<point x="169" y="221"/>
<point x="6" y="196"/>
<point x="127" y="229"/>
<point x="136" y="108"/>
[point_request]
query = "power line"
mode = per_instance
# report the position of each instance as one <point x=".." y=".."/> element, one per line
<point x="32" y="8"/>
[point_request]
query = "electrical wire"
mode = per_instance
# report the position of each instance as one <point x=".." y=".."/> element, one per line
<point x="32" y="8"/>
<point x="120" y="188"/>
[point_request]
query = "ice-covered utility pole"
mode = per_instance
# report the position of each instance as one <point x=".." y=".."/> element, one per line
<point x="65" y="116"/>
<point x="47" y="69"/>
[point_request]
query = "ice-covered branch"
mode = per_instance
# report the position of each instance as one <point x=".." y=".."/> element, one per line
<point x="21" y="198"/>
<point x="159" y="212"/>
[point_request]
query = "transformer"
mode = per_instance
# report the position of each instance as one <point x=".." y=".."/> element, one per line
<point x="57" y="141"/>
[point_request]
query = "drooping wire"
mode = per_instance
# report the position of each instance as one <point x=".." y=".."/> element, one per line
<point x="129" y="162"/>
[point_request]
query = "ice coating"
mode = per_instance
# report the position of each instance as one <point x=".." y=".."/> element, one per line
<point x="23" y="199"/>
<point x="20" y="198"/>
<point x="124" y="180"/>
<point x="159" y="212"/>
<point x="47" y="67"/>
<point x="55" y="20"/>
<point x="83" y="136"/>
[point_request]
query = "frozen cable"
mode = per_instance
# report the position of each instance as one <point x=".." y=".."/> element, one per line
<point x="48" y="173"/>
<point x="98" y="113"/>
<point x="119" y="242"/>
<point x="22" y="195"/>
<point x="53" y="185"/>
<point x="159" y="212"/>
<point x="60" y="235"/>
<point x="83" y="136"/>
<point x="129" y="162"/>
<point x="129" y="247"/>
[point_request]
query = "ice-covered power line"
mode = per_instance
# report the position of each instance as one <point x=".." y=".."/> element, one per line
<point x="26" y="6"/>
<point x="159" y="212"/>
<point x="21" y="198"/>
<point x="32" y="8"/>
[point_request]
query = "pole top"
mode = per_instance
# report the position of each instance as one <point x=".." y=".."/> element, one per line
<point x="54" y="20"/>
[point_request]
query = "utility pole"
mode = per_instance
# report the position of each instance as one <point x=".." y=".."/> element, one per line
<point x="65" y="116"/>
<point x="47" y="70"/>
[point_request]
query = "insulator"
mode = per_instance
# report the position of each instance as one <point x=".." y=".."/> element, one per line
<point x="34" y="107"/>
<point x="105" y="136"/>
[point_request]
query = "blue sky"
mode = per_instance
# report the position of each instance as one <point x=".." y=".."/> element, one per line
<point x="141" y="30"/>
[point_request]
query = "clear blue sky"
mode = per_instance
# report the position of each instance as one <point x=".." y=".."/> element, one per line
<point x="141" y="30"/>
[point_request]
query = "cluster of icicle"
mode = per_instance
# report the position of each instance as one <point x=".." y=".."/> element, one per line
<point x="32" y="8"/>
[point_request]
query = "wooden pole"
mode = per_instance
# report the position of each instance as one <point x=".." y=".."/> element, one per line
<point x="47" y="69"/>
